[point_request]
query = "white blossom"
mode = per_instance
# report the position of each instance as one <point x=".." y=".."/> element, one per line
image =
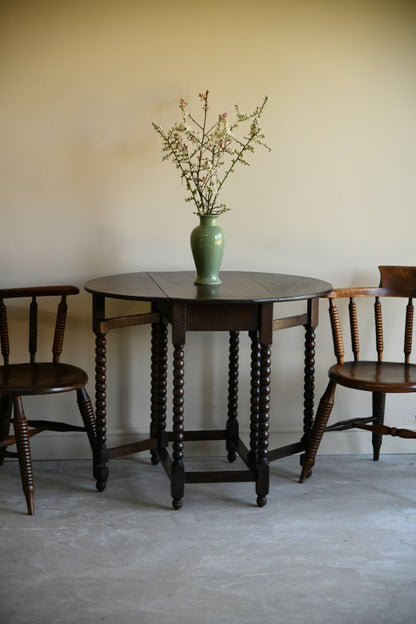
<point x="207" y="155"/>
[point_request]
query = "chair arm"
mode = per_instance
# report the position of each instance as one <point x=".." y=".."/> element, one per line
<point x="38" y="291"/>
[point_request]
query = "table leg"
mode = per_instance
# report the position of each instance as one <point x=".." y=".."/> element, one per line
<point x="154" y="385"/>
<point x="262" y="481"/>
<point x="177" y="470"/>
<point x="158" y="387"/>
<point x="163" y="384"/>
<point x="232" y="422"/>
<point x="309" y="378"/>
<point x="100" y="455"/>
<point x="254" y="399"/>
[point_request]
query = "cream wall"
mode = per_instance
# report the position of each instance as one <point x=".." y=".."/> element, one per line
<point x="84" y="193"/>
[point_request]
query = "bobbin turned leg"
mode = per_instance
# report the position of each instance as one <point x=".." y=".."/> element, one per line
<point x="6" y="406"/>
<point x="23" y="453"/>
<point x="232" y="422"/>
<point x="154" y="389"/>
<point x="379" y="404"/>
<point x="309" y="375"/>
<point x="100" y="452"/>
<point x="159" y="388"/>
<point x="324" y="411"/>
<point x="263" y="469"/>
<point x="309" y="381"/>
<point x="87" y="414"/>
<point x="254" y="399"/>
<point x="178" y="471"/>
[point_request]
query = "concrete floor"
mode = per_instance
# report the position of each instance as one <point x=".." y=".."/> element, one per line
<point x="339" y="549"/>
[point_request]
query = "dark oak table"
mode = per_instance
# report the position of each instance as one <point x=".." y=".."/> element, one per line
<point x="243" y="302"/>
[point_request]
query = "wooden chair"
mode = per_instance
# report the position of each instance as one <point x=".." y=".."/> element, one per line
<point x="377" y="376"/>
<point x="37" y="378"/>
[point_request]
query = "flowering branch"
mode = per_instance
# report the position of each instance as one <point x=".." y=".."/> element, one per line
<point x="205" y="156"/>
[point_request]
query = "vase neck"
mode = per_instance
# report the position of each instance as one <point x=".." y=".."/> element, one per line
<point x="208" y="219"/>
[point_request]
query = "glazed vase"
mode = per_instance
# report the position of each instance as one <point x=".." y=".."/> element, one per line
<point x="207" y="245"/>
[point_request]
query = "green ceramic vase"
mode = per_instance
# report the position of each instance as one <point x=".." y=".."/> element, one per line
<point x="207" y="244"/>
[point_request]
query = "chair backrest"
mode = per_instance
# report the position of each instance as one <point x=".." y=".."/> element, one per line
<point x="395" y="282"/>
<point x="33" y="293"/>
<point x="398" y="277"/>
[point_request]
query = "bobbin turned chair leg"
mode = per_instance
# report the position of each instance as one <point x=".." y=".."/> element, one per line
<point x="6" y="406"/>
<point x="87" y="414"/>
<point x="23" y="453"/>
<point x="379" y="403"/>
<point x="324" y="411"/>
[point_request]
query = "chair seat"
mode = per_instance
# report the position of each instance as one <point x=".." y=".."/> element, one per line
<point x="40" y="378"/>
<point x="375" y="376"/>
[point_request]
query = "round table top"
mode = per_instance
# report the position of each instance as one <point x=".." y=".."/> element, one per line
<point x="236" y="286"/>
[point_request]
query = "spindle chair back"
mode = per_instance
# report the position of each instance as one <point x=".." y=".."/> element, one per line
<point x="379" y="375"/>
<point x="31" y="377"/>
